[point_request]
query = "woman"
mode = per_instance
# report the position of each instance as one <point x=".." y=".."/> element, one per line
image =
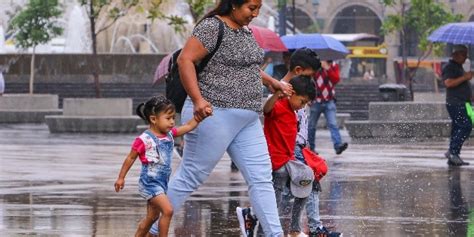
<point x="229" y="89"/>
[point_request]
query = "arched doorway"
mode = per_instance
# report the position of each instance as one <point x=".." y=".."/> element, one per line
<point x="302" y="19"/>
<point x="357" y="19"/>
<point x="367" y="59"/>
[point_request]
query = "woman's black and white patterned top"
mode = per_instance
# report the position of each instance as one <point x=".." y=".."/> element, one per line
<point x="232" y="78"/>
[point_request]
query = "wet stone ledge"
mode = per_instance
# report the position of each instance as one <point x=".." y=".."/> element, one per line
<point x="393" y="122"/>
<point x="27" y="108"/>
<point x="104" y="115"/>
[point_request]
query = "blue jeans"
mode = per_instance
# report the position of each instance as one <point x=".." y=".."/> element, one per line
<point x="312" y="204"/>
<point x="329" y="110"/>
<point x="461" y="127"/>
<point x="240" y="133"/>
<point x="312" y="210"/>
<point x="281" y="179"/>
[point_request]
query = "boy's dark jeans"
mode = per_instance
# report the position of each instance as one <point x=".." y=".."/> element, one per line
<point x="461" y="127"/>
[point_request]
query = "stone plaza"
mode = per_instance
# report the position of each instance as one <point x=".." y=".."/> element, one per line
<point x="62" y="185"/>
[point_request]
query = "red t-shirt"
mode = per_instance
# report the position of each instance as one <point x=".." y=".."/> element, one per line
<point x="280" y="127"/>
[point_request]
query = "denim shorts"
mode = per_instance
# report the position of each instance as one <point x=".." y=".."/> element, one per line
<point x="153" y="180"/>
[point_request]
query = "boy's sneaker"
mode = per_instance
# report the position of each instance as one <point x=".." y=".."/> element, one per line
<point x="341" y="148"/>
<point x="323" y="232"/>
<point x="247" y="221"/>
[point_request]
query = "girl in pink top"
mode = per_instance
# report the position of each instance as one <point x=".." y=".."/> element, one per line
<point x="154" y="147"/>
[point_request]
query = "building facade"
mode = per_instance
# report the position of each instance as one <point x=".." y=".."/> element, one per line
<point x="323" y="16"/>
<point x="361" y="16"/>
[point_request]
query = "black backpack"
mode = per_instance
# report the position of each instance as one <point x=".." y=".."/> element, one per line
<point x="174" y="88"/>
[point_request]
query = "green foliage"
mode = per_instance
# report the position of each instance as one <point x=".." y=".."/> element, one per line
<point x="281" y="3"/>
<point x="117" y="9"/>
<point x="392" y="23"/>
<point x="315" y="27"/>
<point x="422" y="16"/>
<point x="36" y="24"/>
<point x="199" y="7"/>
<point x="390" y="3"/>
<point x="426" y="16"/>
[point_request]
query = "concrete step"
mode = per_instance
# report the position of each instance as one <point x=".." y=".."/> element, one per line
<point x="394" y="131"/>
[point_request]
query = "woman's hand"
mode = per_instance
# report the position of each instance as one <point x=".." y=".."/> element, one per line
<point x="202" y="109"/>
<point x="282" y="86"/>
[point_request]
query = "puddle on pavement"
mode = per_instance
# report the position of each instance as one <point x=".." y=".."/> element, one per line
<point x="368" y="192"/>
<point x="421" y="204"/>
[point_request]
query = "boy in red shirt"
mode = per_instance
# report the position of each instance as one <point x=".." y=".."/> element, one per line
<point x="280" y="128"/>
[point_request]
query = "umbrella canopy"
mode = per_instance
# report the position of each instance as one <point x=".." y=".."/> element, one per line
<point x="454" y="33"/>
<point x="162" y="70"/>
<point x="326" y="47"/>
<point x="267" y="39"/>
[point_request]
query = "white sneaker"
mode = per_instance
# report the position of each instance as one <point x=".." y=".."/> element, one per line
<point x="247" y="221"/>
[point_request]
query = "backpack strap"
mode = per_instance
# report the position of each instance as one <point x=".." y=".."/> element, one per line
<point x="209" y="56"/>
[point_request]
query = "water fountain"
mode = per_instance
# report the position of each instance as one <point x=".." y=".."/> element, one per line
<point x="151" y="36"/>
<point x="78" y="38"/>
<point x="91" y="115"/>
<point x="128" y="42"/>
<point x="129" y="33"/>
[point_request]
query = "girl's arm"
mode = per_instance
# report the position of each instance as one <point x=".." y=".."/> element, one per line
<point x="191" y="124"/>
<point x="187" y="127"/>
<point x="270" y="103"/>
<point x="120" y="183"/>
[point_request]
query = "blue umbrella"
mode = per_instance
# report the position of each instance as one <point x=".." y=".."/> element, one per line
<point x="454" y="33"/>
<point x="326" y="47"/>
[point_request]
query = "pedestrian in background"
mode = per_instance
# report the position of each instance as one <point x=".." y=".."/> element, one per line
<point x="281" y="69"/>
<point x="458" y="101"/>
<point x="326" y="80"/>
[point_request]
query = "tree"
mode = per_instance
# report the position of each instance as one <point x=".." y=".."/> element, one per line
<point x="422" y="17"/>
<point x="119" y="8"/>
<point x="199" y="7"/>
<point x="36" y="24"/>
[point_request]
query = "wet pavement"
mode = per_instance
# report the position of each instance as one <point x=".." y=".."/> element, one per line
<point x="62" y="185"/>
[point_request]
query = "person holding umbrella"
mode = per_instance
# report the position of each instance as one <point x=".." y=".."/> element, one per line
<point x="458" y="101"/>
<point x="325" y="81"/>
